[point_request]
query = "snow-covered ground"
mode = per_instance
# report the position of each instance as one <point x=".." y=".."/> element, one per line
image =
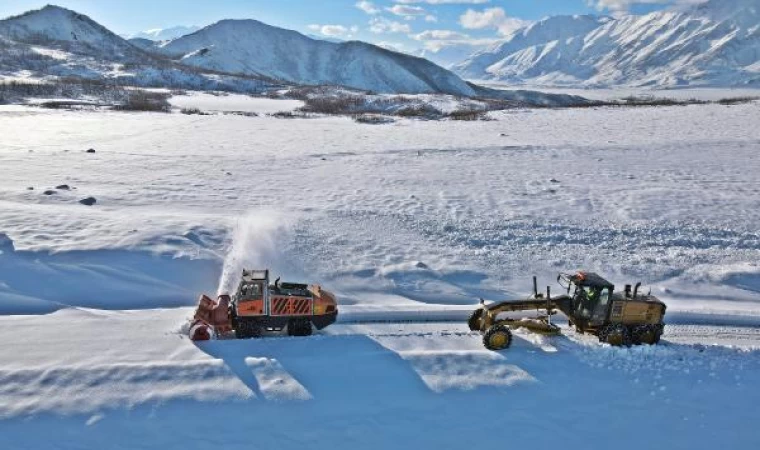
<point x="438" y="212"/>
<point x="87" y="376"/>
<point x="233" y="103"/>
<point x="618" y="93"/>
<point x="417" y="218"/>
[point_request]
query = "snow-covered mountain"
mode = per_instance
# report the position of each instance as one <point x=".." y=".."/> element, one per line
<point x="61" y="26"/>
<point x="244" y="48"/>
<point x="715" y="43"/>
<point x="254" y="48"/>
<point x="164" y="34"/>
<point x="57" y="42"/>
<point x="552" y="29"/>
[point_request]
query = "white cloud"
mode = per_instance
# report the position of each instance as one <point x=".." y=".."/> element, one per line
<point x="444" y="2"/>
<point x="439" y="35"/>
<point x="379" y="25"/>
<point x="491" y="18"/>
<point x="333" y="30"/>
<point x="431" y="18"/>
<point x="401" y="10"/>
<point x="437" y="41"/>
<point x="368" y="7"/>
<point x="439" y="45"/>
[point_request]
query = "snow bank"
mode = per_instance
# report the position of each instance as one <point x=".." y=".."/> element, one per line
<point x="34" y="282"/>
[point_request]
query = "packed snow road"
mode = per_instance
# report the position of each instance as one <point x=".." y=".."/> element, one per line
<point x="85" y="374"/>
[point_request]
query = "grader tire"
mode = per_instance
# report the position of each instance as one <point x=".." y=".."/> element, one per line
<point x="659" y="329"/>
<point x="498" y="337"/>
<point x="474" y="321"/>
<point x="645" y="334"/>
<point x="617" y="335"/>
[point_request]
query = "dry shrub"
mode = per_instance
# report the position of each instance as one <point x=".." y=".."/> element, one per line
<point x="193" y="112"/>
<point x="468" y="114"/>
<point x="372" y="119"/>
<point x="737" y="100"/>
<point x="146" y="101"/>
<point x="420" y="111"/>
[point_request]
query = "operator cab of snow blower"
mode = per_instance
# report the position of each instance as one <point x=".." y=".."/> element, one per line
<point x="591" y="306"/>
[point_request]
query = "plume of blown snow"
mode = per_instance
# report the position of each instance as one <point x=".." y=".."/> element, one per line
<point x="257" y="244"/>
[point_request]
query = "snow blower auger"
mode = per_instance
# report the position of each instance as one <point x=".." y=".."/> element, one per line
<point x="258" y="306"/>
<point x="619" y="319"/>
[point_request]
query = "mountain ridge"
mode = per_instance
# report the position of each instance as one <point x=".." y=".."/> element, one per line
<point x="56" y="24"/>
<point x="715" y="43"/>
<point x="252" y="47"/>
<point x="247" y="48"/>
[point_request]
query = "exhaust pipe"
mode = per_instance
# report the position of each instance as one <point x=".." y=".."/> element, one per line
<point x="535" y="287"/>
<point x="627" y="291"/>
<point x="636" y="289"/>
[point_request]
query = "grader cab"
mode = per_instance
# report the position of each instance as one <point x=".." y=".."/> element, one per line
<point x="590" y="304"/>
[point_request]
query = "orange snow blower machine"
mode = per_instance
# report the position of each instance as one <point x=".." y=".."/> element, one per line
<point x="258" y="306"/>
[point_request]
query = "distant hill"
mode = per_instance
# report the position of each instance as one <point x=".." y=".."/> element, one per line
<point x="252" y="47"/>
<point x="53" y="24"/>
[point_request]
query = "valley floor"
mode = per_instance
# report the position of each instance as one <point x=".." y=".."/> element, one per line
<point x="709" y="94"/>
<point x="417" y="218"/>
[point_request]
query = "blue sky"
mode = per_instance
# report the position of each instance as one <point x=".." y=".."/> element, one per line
<point x="405" y="24"/>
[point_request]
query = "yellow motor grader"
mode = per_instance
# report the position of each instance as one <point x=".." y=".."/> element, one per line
<point x="591" y="306"/>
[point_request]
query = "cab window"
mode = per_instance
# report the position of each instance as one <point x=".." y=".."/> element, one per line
<point x="251" y="291"/>
<point x="604" y="296"/>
